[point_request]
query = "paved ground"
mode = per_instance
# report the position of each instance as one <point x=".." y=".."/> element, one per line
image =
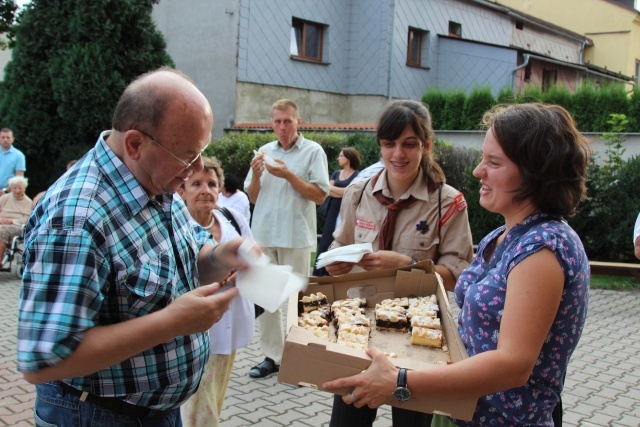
<point x="602" y="388"/>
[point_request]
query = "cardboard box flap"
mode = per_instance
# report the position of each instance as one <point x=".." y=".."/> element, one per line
<point x="427" y="266"/>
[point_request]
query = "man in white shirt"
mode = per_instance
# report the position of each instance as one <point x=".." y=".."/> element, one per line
<point x="287" y="179"/>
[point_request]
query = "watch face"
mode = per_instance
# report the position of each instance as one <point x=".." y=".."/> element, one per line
<point x="402" y="394"/>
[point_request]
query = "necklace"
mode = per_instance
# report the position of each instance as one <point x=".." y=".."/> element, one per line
<point x="213" y="221"/>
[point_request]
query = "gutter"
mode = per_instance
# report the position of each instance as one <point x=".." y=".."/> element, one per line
<point x="391" y="48"/>
<point x="528" y="56"/>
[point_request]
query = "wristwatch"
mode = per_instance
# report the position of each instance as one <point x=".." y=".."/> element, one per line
<point x="402" y="393"/>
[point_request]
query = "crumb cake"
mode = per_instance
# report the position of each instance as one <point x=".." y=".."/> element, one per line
<point x="426" y="336"/>
<point x="352" y="326"/>
<point x="313" y="301"/>
<point x="391" y="320"/>
<point x="426" y="322"/>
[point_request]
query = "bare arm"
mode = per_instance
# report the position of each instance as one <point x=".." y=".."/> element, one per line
<point x="257" y="167"/>
<point x="306" y="189"/>
<point x="104" y="346"/>
<point x="529" y="312"/>
<point x="337" y="192"/>
<point x="637" y="247"/>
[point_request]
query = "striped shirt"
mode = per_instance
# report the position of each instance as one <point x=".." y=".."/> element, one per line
<point x="100" y="251"/>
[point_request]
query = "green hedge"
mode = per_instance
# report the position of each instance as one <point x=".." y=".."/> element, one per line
<point x="604" y="221"/>
<point x="590" y="105"/>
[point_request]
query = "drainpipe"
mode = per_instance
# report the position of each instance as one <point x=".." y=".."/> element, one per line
<point x="390" y="59"/>
<point x="515" y="70"/>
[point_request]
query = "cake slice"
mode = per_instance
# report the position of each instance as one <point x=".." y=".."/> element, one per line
<point x="391" y="320"/>
<point x="426" y="322"/>
<point x="313" y="301"/>
<point x="426" y="337"/>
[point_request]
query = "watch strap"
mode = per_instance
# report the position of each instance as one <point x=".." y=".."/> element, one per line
<point x="402" y="377"/>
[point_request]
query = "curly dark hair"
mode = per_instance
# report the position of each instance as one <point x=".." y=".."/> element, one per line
<point x="551" y="154"/>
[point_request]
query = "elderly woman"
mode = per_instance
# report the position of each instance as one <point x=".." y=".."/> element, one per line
<point x="15" y="208"/>
<point x="235" y="328"/>
<point x="523" y="301"/>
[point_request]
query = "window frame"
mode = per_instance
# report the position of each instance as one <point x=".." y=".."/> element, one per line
<point x="299" y="24"/>
<point x="453" y="26"/>
<point x="421" y="35"/>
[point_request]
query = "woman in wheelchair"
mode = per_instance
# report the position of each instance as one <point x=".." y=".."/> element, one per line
<point x="15" y="208"/>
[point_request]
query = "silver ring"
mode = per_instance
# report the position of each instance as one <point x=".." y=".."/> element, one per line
<point x="353" y="397"/>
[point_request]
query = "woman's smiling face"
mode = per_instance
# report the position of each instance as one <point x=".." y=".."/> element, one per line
<point x="402" y="156"/>
<point x="499" y="177"/>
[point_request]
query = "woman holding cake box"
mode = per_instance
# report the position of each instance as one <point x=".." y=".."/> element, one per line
<point x="409" y="214"/>
<point x="524" y="298"/>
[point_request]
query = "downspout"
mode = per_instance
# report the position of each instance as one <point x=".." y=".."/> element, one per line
<point x="391" y="47"/>
<point x="515" y="70"/>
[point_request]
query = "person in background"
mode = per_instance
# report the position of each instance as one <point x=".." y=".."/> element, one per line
<point x="15" y="208"/>
<point x="120" y="270"/>
<point x="235" y="329"/>
<point x="349" y="162"/>
<point x="636" y="237"/>
<point x="285" y="194"/>
<point x="233" y="198"/>
<point x="12" y="160"/>
<point x="408" y="213"/>
<point x="523" y="301"/>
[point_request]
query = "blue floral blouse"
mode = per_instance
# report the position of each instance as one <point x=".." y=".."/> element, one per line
<point x="481" y="297"/>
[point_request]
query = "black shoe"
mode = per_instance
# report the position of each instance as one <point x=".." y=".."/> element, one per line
<point x="264" y="369"/>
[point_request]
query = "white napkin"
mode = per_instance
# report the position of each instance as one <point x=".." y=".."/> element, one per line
<point x="265" y="284"/>
<point x="351" y="253"/>
<point x="267" y="159"/>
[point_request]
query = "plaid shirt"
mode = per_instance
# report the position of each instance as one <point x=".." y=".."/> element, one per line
<point x="99" y="251"/>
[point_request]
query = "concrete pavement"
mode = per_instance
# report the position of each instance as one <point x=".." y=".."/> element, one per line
<point x="602" y="387"/>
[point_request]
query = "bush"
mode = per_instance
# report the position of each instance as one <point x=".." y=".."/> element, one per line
<point x="585" y="111"/>
<point x="611" y="99"/>
<point x="634" y="111"/>
<point x="506" y="96"/>
<point x="435" y="100"/>
<point x="558" y="95"/>
<point x="477" y="103"/>
<point x="452" y="113"/>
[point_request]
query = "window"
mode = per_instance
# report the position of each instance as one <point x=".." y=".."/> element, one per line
<point x="455" y="29"/>
<point x="306" y="39"/>
<point x="637" y="73"/>
<point x="417" y="47"/>
<point x="549" y="78"/>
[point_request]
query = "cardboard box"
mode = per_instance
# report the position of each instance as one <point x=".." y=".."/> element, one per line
<point x="309" y="361"/>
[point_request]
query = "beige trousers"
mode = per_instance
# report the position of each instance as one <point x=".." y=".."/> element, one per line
<point x="271" y="330"/>
<point x="204" y="407"/>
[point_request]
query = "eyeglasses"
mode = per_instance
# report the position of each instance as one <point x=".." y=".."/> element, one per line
<point x="187" y="165"/>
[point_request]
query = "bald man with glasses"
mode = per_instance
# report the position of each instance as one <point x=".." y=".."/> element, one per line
<point x="121" y="273"/>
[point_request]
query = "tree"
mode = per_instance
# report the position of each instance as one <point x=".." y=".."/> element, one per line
<point x="7" y="15"/>
<point x="71" y="61"/>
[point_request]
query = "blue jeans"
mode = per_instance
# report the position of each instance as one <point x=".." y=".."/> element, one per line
<point x="57" y="408"/>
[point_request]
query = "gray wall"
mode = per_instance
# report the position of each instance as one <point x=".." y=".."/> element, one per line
<point x="237" y="51"/>
<point x="202" y="40"/>
<point x="465" y="65"/>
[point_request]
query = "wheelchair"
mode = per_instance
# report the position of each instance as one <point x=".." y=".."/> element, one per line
<point x="13" y="256"/>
